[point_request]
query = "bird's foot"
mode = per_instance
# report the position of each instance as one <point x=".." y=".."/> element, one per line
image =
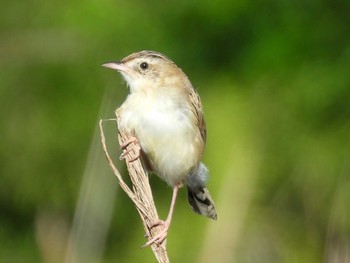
<point x="134" y="152"/>
<point x="161" y="236"/>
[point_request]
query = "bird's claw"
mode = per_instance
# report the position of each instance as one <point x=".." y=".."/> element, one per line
<point x="134" y="152"/>
<point x="161" y="236"/>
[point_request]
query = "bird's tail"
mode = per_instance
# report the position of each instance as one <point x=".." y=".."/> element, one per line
<point x="201" y="202"/>
<point x="198" y="195"/>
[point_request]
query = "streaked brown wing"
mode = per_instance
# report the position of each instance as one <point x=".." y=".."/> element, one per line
<point x="198" y="112"/>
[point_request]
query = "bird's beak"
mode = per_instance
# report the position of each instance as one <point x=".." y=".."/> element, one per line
<point x="117" y="66"/>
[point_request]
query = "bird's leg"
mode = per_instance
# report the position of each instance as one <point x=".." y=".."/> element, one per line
<point x="136" y="149"/>
<point x="161" y="236"/>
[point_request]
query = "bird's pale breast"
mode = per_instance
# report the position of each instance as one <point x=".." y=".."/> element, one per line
<point x="167" y="134"/>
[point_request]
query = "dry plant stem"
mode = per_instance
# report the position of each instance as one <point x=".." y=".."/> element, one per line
<point x="141" y="193"/>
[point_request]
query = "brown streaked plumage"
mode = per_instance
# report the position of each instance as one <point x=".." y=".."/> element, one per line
<point x="165" y="113"/>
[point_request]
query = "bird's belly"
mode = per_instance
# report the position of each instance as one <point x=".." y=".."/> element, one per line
<point x="170" y="140"/>
<point x="170" y="143"/>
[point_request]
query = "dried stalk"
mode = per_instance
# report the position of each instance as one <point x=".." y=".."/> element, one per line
<point x="141" y="193"/>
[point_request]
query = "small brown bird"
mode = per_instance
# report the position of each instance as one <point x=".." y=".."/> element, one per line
<point x="165" y="113"/>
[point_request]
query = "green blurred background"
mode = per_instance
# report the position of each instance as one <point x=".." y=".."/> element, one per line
<point x="274" y="77"/>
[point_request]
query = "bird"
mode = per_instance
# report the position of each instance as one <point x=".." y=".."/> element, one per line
<point x="165" y="114"/>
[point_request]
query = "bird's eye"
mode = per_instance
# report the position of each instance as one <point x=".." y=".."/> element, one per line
<point x="144" y="65"/>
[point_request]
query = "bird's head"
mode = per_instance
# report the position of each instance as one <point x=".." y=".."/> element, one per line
<point x="149" y="69"/>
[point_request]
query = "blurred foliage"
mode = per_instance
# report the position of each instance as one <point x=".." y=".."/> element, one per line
<point x="275" y="84"/>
